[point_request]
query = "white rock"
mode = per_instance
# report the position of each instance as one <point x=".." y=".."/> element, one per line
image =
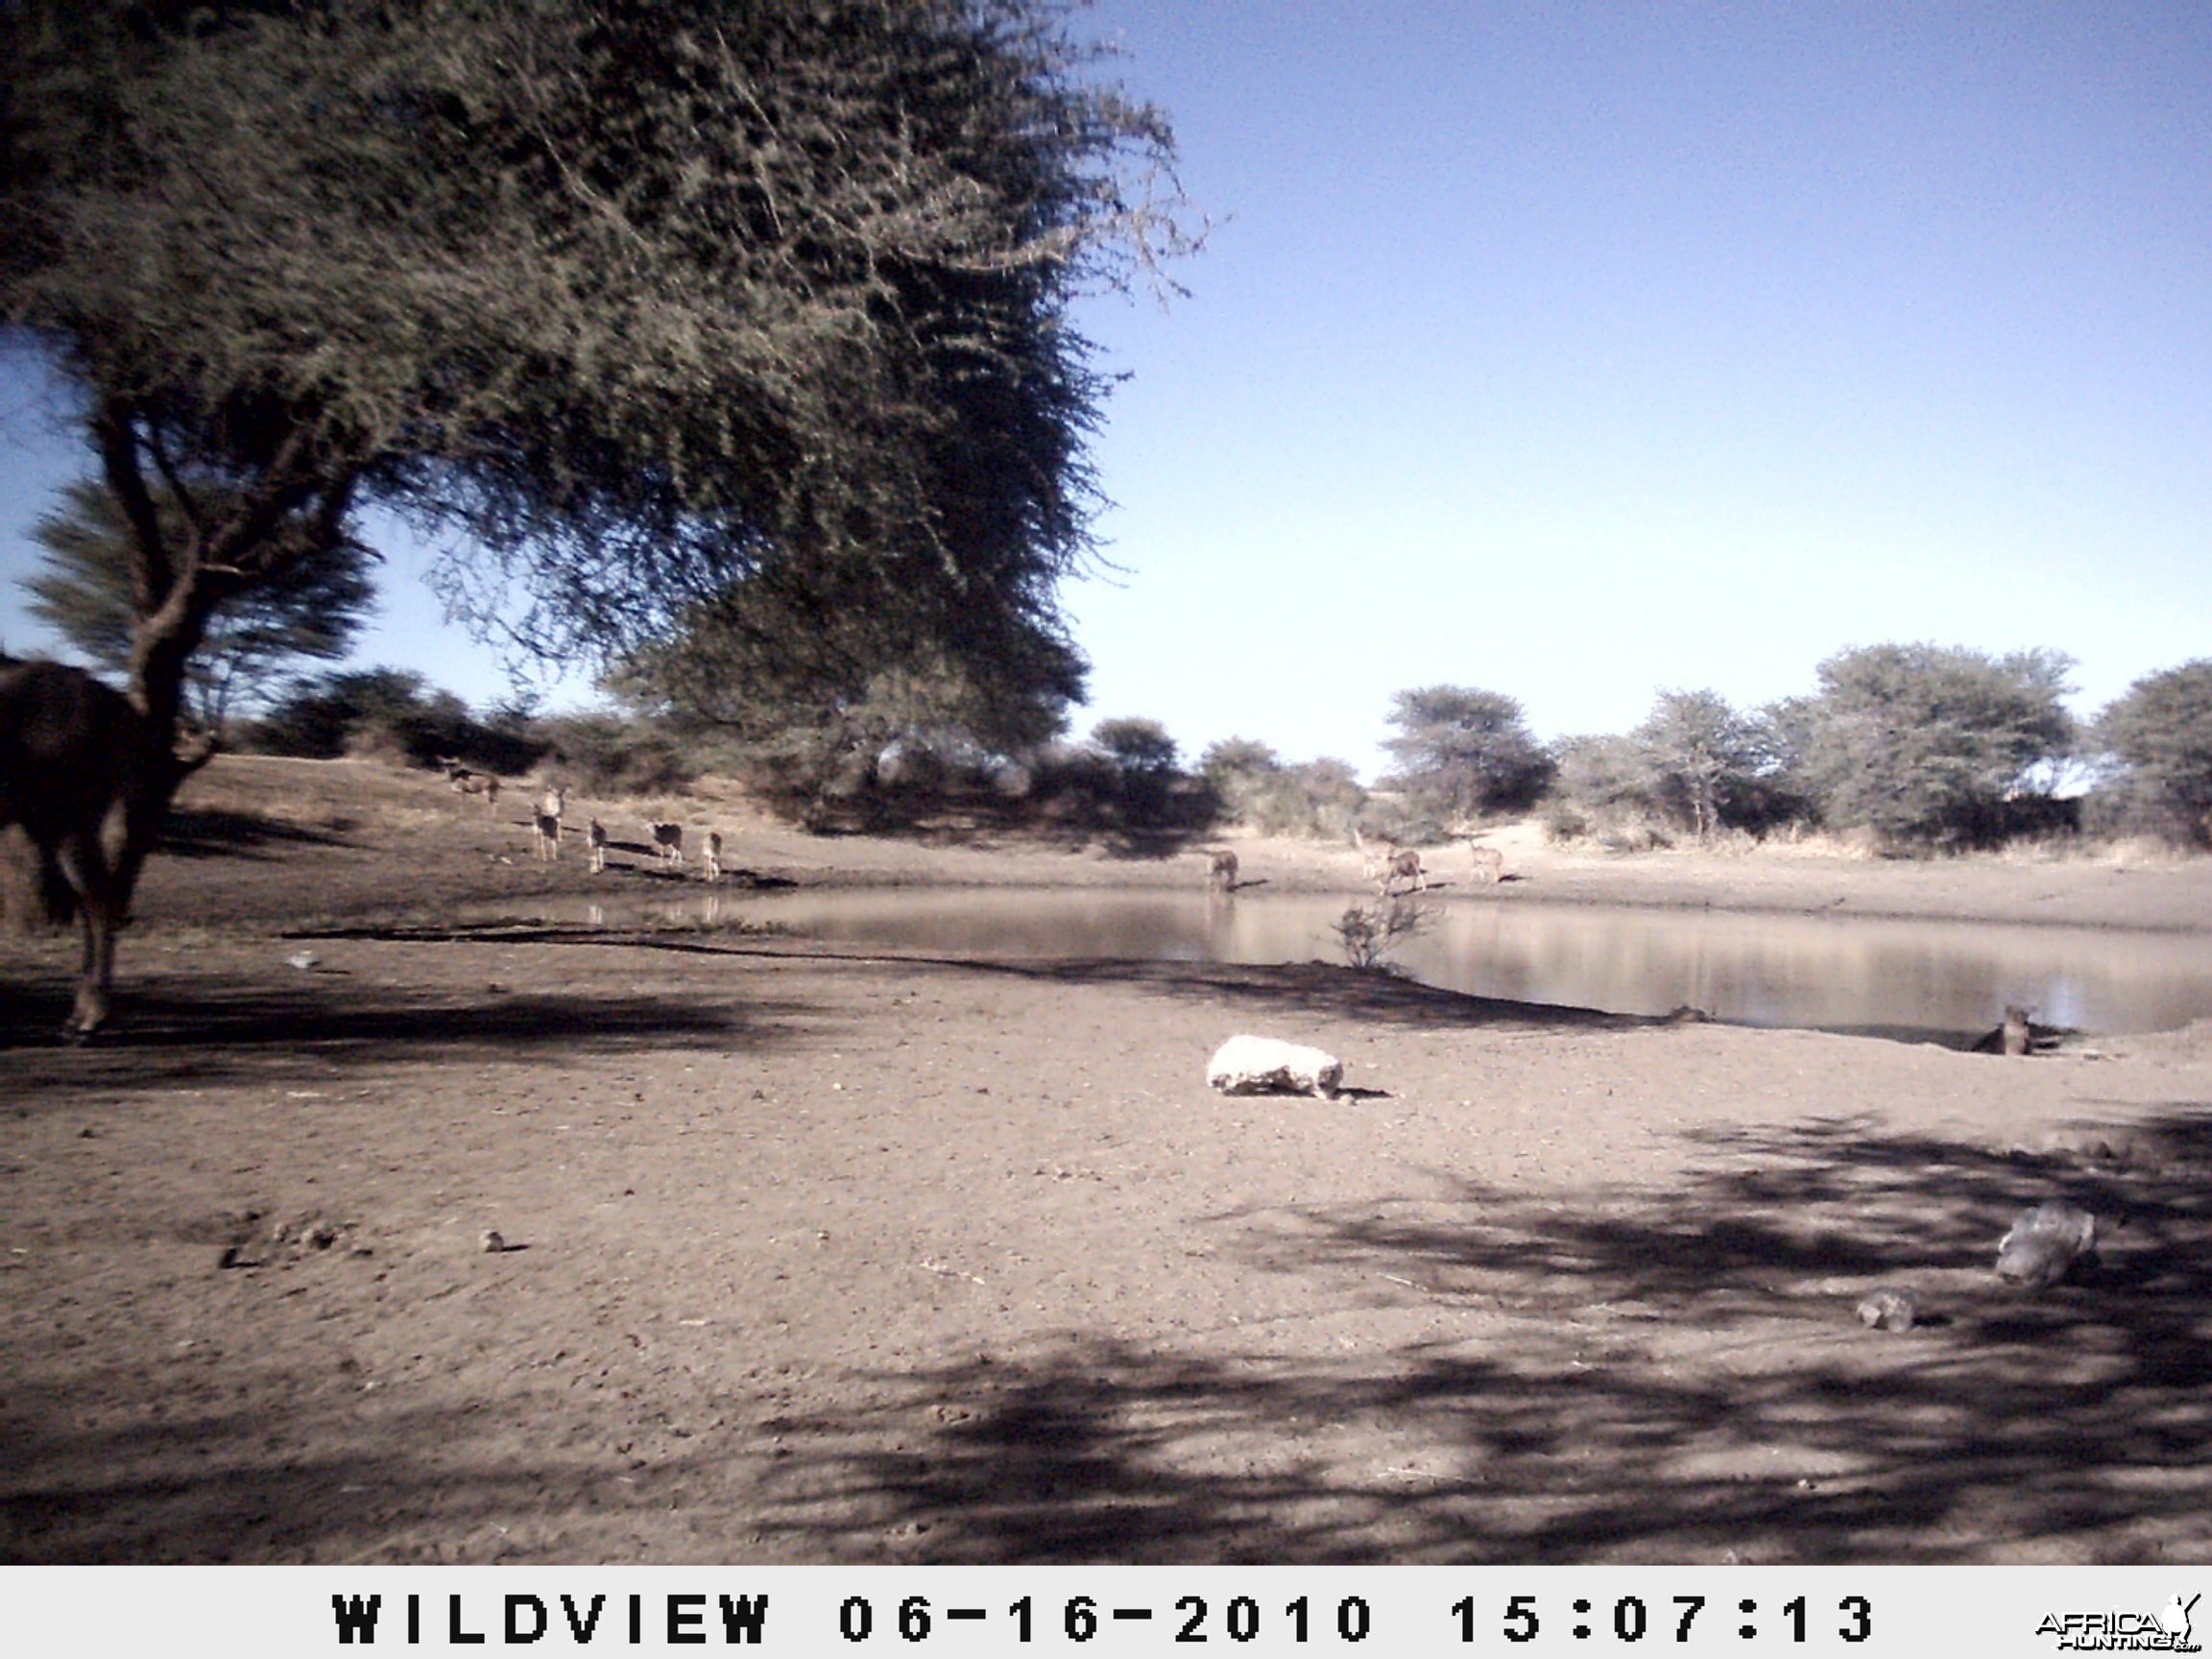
<point x="1889" y="1310"/>
<point x="1267" y="1065"/>
<point x="2042" y="1246"/>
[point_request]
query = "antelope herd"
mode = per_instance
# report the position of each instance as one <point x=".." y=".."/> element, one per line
<point x="84" y="779"/>
<point x="663" y="839"/>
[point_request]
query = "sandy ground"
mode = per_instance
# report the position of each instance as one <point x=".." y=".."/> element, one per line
<point x="817" y="1256"/>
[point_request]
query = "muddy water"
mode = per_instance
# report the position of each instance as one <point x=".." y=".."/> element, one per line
<point x="1941" y="981"/>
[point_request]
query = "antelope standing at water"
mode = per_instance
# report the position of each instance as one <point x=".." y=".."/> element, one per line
<point x="1386" y="863"/>
<point x="1220" y="867"/>
<point x="714" y="855"/>
<point x="546" y="820"/>
<point x="1489" y="863"/>
<point x="596" y="838"/>
<point x="667" y="839"/>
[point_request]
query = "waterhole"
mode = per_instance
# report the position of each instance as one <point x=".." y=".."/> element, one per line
<point x="1925" y="981"/>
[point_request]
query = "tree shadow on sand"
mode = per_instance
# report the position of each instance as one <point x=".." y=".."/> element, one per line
<point x="206" y="832"/>
<point x="216" y="1486"/>
<point x="1322" y="990"/>
<point x="1678" y="1378"/>
<point x="210" y="1030"/>
<point x="1673" y="1375"/>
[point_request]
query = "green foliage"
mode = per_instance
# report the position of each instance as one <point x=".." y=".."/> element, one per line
<point x="1254" y="785"/>
<point x="390" y="711"/>
<point x="1926" y="745"/>
<point x="610" y="756"/>
<point x="2158" y="738"/>
<point x="1464" y="753"/>
<point x="312" y="607"/>
<point x="1703" y="763"/>
<point x="646" y="302"/>
<point x="1601" y="786"/>
<point x="1136" y="748"/>
<point x="1143" y="761"/>
<point x="807" y="703"/>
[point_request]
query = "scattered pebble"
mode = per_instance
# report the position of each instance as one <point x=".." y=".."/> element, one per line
<point x="1889" y="1310"/>
<point x="492" y="1241"/>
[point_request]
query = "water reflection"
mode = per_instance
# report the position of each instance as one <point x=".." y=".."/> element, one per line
<point x="1940" y="980"/>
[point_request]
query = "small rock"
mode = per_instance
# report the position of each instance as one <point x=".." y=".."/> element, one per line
<point x="303" y="960"/>
<point x="492" y="1241"/>
<point x="1889" y="1310"/>
<point x="2042" y="1246"/>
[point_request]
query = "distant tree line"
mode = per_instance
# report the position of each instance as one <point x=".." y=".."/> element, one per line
<point x="1913" y="748"/>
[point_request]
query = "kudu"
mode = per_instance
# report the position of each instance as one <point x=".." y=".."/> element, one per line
<point x="545" y="821"/>
<point x="1387" y="863"/>
<point x="89" y="779"/>
<point x="466" y="781"/>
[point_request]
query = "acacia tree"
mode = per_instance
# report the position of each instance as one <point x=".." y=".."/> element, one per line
<point x="1697" y="754"/>
<point x="1462" y="752"/>
<point x="632" y="301"/>
<point x="1926" y="744"/>
<point x="312" y="607"/>
<point x="2159" y="734"/>
<point x="806" y="686"/>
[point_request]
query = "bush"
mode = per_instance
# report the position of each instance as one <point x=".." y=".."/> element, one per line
<point x="1253" y="785"/>
<point x="1928" y="746"/>
<point x="391" y="713"/>
<point x="1464" y="753"/>
<point x="2157" y="745"/>
<point x="613" y="755"/>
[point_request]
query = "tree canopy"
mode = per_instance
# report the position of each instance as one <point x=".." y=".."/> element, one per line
<point x="1925" y="744"/>
<point x="634" y="302"/>
<point x="1462" y="752"/>
<point x="1699" y="758"/>
<point x="2159" y="733"/>
<point x="312" y="608"/>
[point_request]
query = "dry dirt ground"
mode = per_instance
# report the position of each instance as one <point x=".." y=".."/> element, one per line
<point x="818" y="1255"/>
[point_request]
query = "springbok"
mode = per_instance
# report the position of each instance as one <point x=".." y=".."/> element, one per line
<point x="1489" y="863"/>
<point x="596" y="838"/>
<point x="467" y="782"/>
<point x="668" y="840"/>
<point x="714" y="855"/>
<point x="546" y="821"/>
<point x="1221" y="867"/>
<point x="86" y="775"/>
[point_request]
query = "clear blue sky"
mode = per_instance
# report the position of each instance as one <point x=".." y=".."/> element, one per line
<point x="1579" y="350"/>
